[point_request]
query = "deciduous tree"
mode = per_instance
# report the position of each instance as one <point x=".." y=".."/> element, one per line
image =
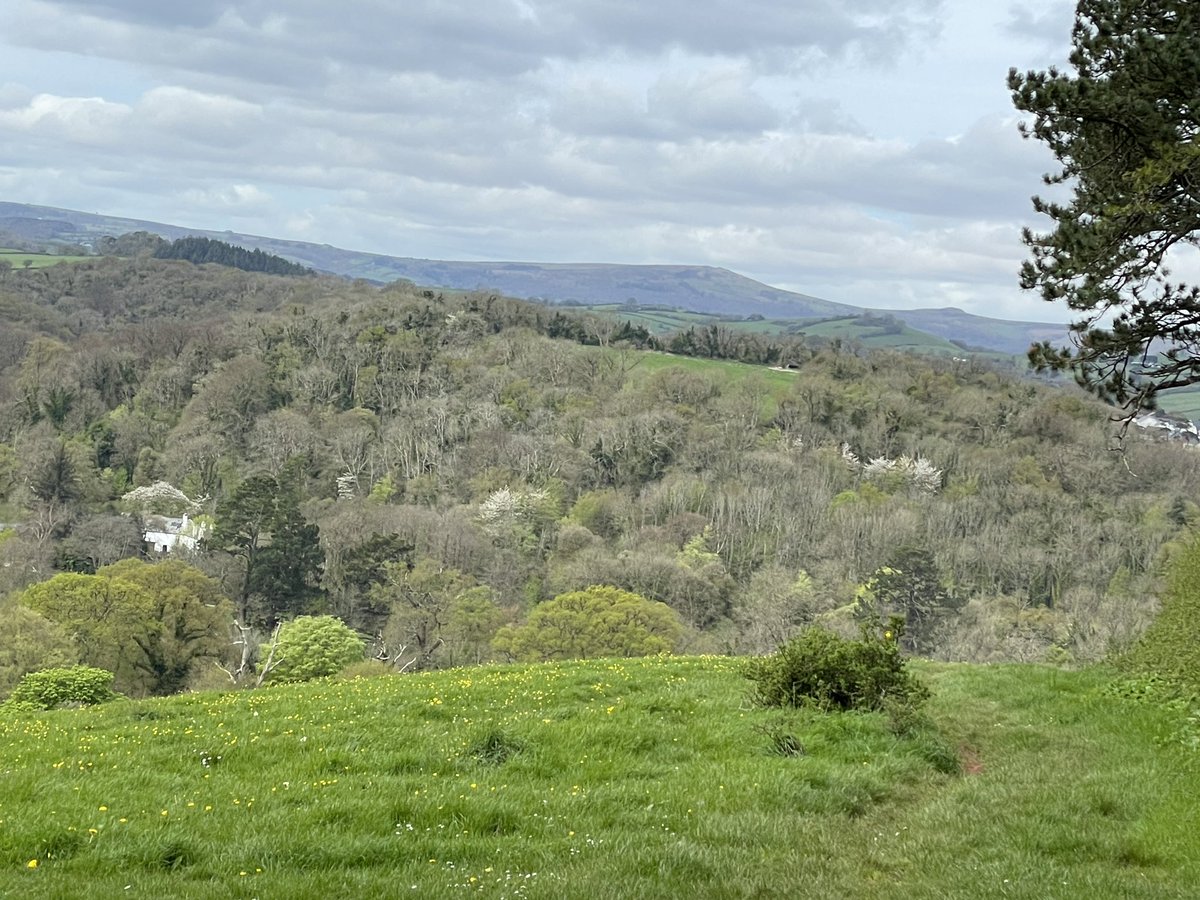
<point x="599" y="621"/>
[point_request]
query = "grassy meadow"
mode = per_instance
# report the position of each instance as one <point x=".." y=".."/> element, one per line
<point x="1182" y="402"/>
<point x="20" y="259"/>
<point x="617" y="778"/>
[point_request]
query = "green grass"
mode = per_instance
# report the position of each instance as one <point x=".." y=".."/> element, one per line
<point x="643" y="778"/>
<point x="777" y="383"/>
<point x="724" y="372"/>
<point x="1182" y="401"/>
<point x="19" y="259"/>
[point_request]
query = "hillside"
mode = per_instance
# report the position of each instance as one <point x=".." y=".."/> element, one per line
<point x="701" y="289"/>
<point x="611" y="778"/>
<point x="420" y="447"/>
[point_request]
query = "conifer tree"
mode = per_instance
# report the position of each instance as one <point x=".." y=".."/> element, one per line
<point x="1123" y="125"/>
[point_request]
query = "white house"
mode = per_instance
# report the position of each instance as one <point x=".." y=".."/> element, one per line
<point x="165" y="533"/>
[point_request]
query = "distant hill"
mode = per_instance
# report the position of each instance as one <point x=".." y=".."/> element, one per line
<point x="705" y="289"/>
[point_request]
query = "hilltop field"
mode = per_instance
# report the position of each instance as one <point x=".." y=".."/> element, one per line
<point x="612" y="778"/>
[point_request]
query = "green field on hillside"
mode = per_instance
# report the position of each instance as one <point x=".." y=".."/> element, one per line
<point x="864" y="330"/>
<point x="618" y="778"/>
<point x="1182" y="402"/>
<point x="20" y="259"/>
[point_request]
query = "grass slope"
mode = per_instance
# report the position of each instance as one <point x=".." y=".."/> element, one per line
<point x="19" y="259"/>
<point x="1182" y="401"/>
<point x="630" y="778"/>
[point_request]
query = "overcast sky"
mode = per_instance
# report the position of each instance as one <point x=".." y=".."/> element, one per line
<point x="864" y="151"/>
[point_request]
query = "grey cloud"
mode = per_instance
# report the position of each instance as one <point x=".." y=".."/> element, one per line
<point x="296" y="43"/>
<point x="190" y="14"/>
<point x="1045" y="23"/>
<point x="715" y="103"/>
<point x="718" y="102"/>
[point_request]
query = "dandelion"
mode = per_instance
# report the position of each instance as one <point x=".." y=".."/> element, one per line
<point x="32" y="864"/>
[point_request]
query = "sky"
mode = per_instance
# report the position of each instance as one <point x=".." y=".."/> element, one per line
<point x="863" y="152"/>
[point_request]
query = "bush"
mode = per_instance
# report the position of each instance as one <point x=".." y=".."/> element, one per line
<point x="311" y="647"/>
<point x="818" y="668"/>
<point x="51" y="688"/>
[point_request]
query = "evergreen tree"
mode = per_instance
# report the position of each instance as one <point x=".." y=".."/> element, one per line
<point x="910" y="586"/>
<point x="262" y="524"/>
<point x="205" y="250"/>
<point x="1123" y="126"/>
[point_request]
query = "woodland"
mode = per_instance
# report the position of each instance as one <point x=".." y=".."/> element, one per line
<point x="433" y="468"/>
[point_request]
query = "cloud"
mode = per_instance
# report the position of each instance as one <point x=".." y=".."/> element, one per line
<point x="208" y="119"/>
<point x="234" y="199"/>
<point x="312" y="43"/>
<point x="86" y="121"/>
<point x="1048" y="23"/>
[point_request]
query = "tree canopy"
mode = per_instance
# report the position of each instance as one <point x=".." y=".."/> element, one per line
<point x="206" y="250"/>
<point x="598" y="621"/>
<point x="1123" y="125"/>
<point x="147" y="623"/>
<point x="327" y="435"/>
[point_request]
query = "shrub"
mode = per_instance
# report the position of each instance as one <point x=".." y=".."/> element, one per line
<point x="51" y="688"/>
<point x="311" y="647"/>
<point x="818" y="668"/>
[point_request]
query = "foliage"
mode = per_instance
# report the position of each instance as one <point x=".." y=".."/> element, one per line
<point x="161" y="497"/>
<point x="51" y="688"/>
<point x="95" y="541"/>
<point x="261" y="523"/>
<point x="437" y="615"/>
<point x="909" y="586"/>
<point x="105" y="616"/>
<point x="706" y="484"/>
<point x="599" y="621"/>
<point x="31" y="642"/>
<point x="206" y="250"/>
<point x="310" y="647"/>
<point x="147" y="623"/>
<point x="776" y="604"/>
<point x="1123" y="127"/>
<point x="829" y="672"/>
<point x="189" y="618"/>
